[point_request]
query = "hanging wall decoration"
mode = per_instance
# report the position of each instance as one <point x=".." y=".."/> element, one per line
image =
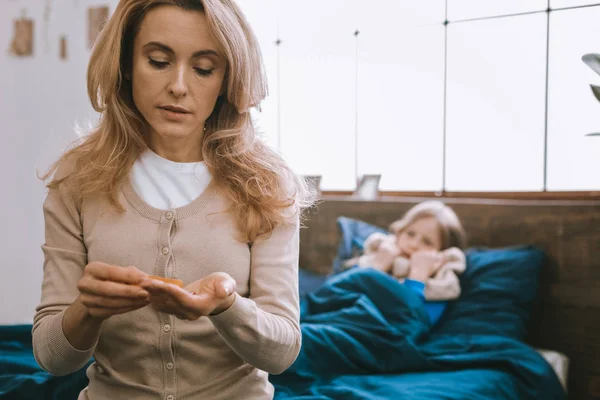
<point x="97" y="17"/>
<point x="22" y="41"/>
<point x="63" y="48"/>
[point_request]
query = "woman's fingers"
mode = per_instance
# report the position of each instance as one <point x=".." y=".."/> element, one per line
<point x="95" y="301"/>
<point x="112" y="281"/>
<point x="89" y="285"/>
<point x="108" y="290"/>
<point x="224" y="287"/>
<point x="128" y="275"/>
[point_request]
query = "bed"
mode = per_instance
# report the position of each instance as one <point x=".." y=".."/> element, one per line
<point x="563" y="322"/>
<point x="21" y="378"/>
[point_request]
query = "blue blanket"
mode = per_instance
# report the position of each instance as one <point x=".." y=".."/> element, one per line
<point x="20" y="376"/>
<point x="366" y="336"/>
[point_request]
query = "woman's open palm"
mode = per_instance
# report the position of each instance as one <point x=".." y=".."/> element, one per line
<point x="208" y="296"/>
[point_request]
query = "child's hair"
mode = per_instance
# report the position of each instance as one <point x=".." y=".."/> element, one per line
<point x="452" y="232"/>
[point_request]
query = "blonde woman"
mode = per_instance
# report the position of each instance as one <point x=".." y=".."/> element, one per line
<point x="173" y="183"/>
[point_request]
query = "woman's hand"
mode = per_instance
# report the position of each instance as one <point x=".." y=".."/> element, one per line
<point x="108" y="290"/>
<point x="208" y="296"/>
<point x="424" y="264"/>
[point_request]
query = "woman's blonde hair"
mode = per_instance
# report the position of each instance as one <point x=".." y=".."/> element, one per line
<point x="261" y="187"/>
<point x="451" y="230"/>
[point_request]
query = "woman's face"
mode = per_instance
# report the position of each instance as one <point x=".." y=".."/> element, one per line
<point x="177" y="73"/>
<point x="421" y="235"/>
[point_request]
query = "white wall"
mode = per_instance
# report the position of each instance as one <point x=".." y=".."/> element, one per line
<point x="389" y="101"/>
<point x="41" y="100"/>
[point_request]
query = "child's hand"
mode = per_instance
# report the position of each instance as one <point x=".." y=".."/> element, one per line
<point x="383" y="258"/>
<point x="424" y="264"/>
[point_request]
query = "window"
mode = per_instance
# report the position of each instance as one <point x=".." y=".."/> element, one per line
<point x="469" y="9"/>
<point x="573" y="158"/>
<point x="452" y="95"/>
<point x="317" y="90"/>
<point x="401" y="95"/>
<point x="496" y="104"/>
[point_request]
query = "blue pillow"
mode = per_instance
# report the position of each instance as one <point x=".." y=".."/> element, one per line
<point x="353" y="235"/>
<point x="309" y="281"/>
<point x="498" y="290"/>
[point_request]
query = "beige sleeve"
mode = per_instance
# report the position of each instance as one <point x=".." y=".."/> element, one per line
<point x="445" y="285"/>
<point x="264" y="329"/>
<point x="455" y="260"/>
<point x="65" y="258"/>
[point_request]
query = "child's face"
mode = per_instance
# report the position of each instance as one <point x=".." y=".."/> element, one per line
<point x="421" y="235"/>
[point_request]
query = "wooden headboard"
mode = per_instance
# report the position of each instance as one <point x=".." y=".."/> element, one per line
<point x="566" y="317"/>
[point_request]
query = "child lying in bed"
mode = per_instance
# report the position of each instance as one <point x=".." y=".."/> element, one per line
<point x="423" y="251"/>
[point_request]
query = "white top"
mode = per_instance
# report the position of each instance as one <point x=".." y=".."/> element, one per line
<point x="165" y="184"/>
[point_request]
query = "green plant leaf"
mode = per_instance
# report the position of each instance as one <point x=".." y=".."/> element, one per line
<point x="593" y="61"/>
<point x="596" y="91"/>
